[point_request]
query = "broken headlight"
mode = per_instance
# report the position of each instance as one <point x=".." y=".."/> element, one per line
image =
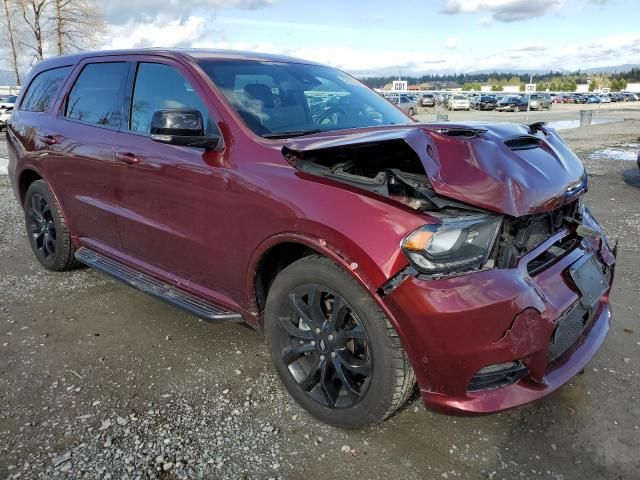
<point x="455" y="245"/>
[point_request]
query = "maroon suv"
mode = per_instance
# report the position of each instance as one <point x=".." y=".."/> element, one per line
<point x="374" y="251"/>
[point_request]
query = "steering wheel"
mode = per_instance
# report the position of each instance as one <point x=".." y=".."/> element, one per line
<point x="332" y="113"/>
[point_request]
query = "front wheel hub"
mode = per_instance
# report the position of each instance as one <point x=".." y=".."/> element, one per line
<point x="324" y="346"/>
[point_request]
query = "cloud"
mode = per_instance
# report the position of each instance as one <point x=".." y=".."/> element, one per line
<point x="451" y="42"/>
<point x="503" y="10"/>
<point x="198" y="32"/>
<point x="161" y="32"/>
<point x="119" y="12"/>
<point x="610" y="49"/>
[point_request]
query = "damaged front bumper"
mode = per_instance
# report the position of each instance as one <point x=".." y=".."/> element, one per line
<point x="539" y="328"/>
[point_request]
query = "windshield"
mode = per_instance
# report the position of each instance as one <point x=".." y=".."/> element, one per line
<point x="286" y="99"/>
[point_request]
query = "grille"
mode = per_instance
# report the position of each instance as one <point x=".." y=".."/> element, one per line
<point x="523" y="234"/>
<point x="568" y="331"/>
<point x="498" y="379"/>
<point x="537" y="232"/>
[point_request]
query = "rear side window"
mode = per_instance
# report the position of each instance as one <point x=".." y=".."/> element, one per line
<point x="160" y="87"/>
<point x="97" y="95"/>
<point x="44" y="90"/>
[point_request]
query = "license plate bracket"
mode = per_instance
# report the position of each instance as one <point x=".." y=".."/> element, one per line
<point x="587" y="274"/>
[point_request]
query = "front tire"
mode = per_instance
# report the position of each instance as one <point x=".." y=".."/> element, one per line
<point x="333" y="348"/>
<point x="47" y="230"/>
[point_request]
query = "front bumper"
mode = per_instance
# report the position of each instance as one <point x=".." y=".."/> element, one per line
<point x="454" y="327"/>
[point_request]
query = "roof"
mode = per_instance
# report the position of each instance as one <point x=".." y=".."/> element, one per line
<point x="194" y="54"/>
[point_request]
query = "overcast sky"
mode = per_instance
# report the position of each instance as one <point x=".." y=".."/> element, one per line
<point x="410" y="36"/>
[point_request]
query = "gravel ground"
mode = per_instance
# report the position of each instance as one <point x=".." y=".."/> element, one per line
<point x="100" y="381"/>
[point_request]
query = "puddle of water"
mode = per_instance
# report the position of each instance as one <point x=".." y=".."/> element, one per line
<point x="626" y="151"/>
<point x="566" y="124"/>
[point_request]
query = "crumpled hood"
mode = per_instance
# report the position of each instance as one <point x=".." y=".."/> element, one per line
<point x="507" y="168"/>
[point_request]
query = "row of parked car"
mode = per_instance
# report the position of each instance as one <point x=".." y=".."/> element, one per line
<point x="408" y="102"/>
<point x="595" y="97"/>
<point x="6" y="109"/>
<point x="498" y="102"/>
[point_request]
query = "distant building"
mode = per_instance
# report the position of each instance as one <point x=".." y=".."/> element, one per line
<point x="7" y="90"/>
<point x="633" y="87"/>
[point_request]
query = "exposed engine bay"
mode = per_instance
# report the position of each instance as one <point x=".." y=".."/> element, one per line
<point x="400" y="166"/>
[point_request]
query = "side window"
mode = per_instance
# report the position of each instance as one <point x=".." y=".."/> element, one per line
<point x="159" y="87"/>
<point x="97" y="95"/>
<point x="44" y="89"/>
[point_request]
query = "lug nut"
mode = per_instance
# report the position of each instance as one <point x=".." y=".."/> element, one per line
<point x="330" y="337"/>
<point x="321" y="357"/>
<point x="317" y="330"/>
<point x="333" y="354"/>
<point x="313" y="343"/>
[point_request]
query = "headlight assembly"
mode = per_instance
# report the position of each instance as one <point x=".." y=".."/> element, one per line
<point x="455" y="245"/>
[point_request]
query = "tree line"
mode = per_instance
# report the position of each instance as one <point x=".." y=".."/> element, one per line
<point x="497" y="81"/>
<point x="32" y="29"/>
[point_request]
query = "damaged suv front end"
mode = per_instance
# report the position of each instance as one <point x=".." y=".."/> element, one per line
<point x="504" y="296"/>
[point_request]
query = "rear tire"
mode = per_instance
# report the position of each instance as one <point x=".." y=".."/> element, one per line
<point x="345" y="366"/>
<point x="47" y="230"/>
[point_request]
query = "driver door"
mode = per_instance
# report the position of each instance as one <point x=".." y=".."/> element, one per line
<point x="170" y="199"/>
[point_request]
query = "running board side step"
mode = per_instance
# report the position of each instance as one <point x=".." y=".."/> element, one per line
<point x="178" y="298"/>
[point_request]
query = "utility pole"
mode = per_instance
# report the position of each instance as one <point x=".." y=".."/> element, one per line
<point x="529" y="98"/>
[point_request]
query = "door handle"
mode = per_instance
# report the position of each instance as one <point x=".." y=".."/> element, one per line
<point x="128" y="158"/>
<point x="48" y="140"/>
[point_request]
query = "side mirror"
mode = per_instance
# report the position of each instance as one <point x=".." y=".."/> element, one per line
<point x="183" y="127"/>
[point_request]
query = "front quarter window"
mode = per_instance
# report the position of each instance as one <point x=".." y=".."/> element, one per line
<point x="286" y="99"/>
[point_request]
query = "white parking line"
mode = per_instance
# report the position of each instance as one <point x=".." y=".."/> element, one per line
<point x="4" y="163"/>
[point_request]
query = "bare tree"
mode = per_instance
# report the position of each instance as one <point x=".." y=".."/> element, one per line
<point x="34" y="14"/>
<point x="78" y="25"/>
<point x="12" y="37"/>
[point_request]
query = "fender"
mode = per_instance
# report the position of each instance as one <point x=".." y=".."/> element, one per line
<point x="31" y="165"/>
<point x="350" y="265"/>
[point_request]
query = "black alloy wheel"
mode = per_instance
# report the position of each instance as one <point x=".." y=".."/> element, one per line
<point x="41" y="227"/>
<point x="47" y="229"/>
<point x="333" y="348"/>
<point x="324" y="346"/>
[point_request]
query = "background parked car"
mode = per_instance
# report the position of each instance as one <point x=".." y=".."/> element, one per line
<point x="539" y="101"/>
<point x="6" y="109"/>
<point x="459" y="102"/>
<point x="579" y="98"/>
<point x="406" y="104"/>
<point x="605" y="99"/>
<point x="512" y="103"/>
<point x="8" y="102"/>
<point x="5" y="115"/>
<point x="484" y="102"/>
<point x="593" y="99"/>
<point x="428" y="100"/>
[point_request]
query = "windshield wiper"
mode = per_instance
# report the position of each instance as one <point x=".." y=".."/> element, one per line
<point x="294" y="133"/>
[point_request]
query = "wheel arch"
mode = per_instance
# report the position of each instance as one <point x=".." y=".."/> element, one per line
<point x="26" y="177"/>
<point x="29" y="174"/>
<point x="279" y="251"/>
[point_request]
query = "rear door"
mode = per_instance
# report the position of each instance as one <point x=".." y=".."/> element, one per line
<point x="171" y="209"/>
<point x="81" y="148"/>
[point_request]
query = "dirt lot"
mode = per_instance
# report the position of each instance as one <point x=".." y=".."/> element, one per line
<point x="100" y="381"/>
